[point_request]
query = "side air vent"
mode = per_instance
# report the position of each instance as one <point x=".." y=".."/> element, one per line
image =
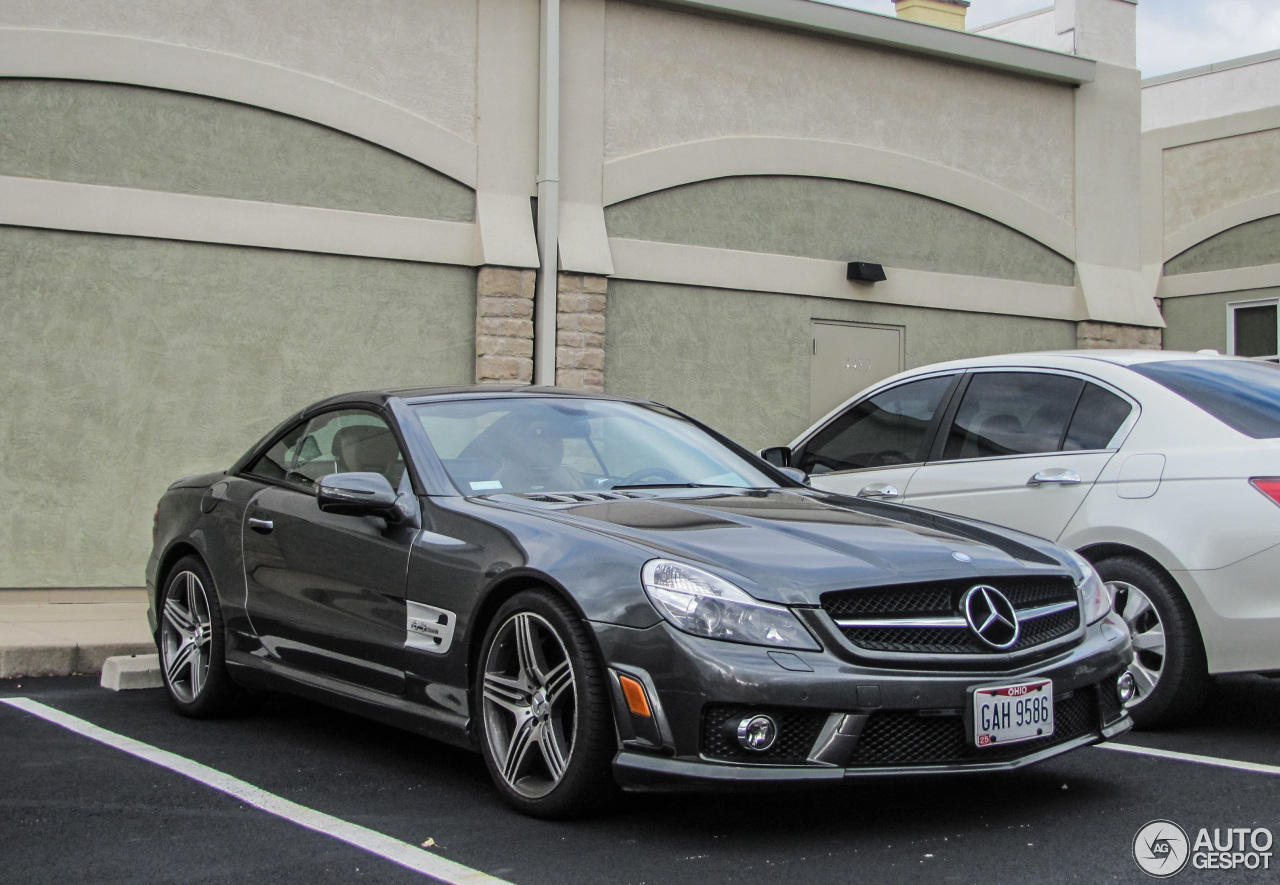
<point x="583" y="497"/>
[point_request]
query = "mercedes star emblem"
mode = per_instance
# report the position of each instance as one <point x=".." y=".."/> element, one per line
<point x="991" y="616"/>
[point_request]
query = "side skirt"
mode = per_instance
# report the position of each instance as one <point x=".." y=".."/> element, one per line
<point x="267" y="675"/>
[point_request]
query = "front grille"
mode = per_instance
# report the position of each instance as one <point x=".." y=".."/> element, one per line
<point x="943" y="599"/>
<point x="797" y="732"/>
<point x="1109" y="702"/>
<point x="903" y="737"/>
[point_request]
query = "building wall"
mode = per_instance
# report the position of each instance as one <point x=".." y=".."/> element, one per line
<point x="193" y="195"/>
<point x="1211" y="194"/>
<point x="837" y="221"/>
<point x="162" y="140"/>
<point x="749" y="351"/>
<point x="1252" y="244"/>
<point x="419" y="55"/>
<point x="673" y="78"/>
<point x="127" y="363"/>
<point x="1199" y="322"/>
<point x="211" y="216"/>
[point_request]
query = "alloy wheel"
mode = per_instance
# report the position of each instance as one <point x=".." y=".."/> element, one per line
<point x="1146" y="631"/>
<point x="529" y="704"/>
<point x="186" y="636"/>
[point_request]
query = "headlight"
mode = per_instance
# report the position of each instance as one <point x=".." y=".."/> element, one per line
<point x="1097" y="599"/>
<point x="700" y="603"/>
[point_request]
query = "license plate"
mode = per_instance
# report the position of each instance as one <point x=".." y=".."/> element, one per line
<point x="1006" y="714"/>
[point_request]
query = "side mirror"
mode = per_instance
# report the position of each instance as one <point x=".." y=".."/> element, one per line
<point x="778" y="456"/>
<point x="358" y="494"/>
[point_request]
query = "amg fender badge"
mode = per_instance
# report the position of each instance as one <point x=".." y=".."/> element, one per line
<point x="428" y="628"/>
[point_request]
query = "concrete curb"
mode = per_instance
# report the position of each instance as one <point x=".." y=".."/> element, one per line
<point x="126" y="672"/>
<point x="63" y="659"/>
<point x="62" y="638"/>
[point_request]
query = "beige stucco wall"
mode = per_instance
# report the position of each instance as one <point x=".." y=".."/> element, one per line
<point x="672" y="77"/>
<point x="1251" y="244"/>
<point x="128" y="363"/>
<point x="417" y="54"/>
<point x="837" y="221"/>
<point x="1202" y="178"/>
<point x="750" y="351"/>
<point x="130" y="136"/>
<point x="1198" y="322"/>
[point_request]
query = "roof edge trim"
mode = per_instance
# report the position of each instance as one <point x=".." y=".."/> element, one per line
<point x="914" y="37"/>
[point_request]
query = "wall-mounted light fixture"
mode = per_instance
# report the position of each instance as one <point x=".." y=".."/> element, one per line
<point x="866" y="272"/>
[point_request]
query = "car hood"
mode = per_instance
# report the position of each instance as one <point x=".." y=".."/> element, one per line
<point x="791" y="546"/>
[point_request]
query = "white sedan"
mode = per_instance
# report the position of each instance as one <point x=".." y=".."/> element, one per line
<point x="1160" y="468"/>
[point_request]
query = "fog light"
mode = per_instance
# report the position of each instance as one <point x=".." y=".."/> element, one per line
<point x="1126" y="688"/>
<point x="757" y="733"/>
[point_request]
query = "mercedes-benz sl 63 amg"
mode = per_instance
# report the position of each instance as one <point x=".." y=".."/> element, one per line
<point x="596" y="591"/>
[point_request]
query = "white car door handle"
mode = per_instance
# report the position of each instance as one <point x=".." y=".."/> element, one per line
<point x="879" y="490"/>
<point x="261" y="526"/>
<point x="1060" y="476"/>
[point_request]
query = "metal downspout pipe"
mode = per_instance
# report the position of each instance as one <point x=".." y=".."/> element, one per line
<point x="548" y="222"/>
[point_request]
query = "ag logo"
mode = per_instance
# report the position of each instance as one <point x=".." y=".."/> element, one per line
<point x="1161" y="849"/>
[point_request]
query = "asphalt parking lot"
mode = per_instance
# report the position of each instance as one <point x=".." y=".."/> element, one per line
<point x="73" y="809"/>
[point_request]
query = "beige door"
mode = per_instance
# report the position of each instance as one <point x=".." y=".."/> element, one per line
<point x="848" y="357"/>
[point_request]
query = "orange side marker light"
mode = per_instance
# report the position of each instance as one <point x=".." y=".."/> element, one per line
<point x="636" y="700"/>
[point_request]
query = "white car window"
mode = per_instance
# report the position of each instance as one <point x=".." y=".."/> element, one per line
<point x="890" y="427"/>
<point x="1012" y="413"/>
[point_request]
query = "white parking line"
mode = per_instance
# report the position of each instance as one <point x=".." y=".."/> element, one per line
<point x="1192" y="757"/>
<point x="375" y="843"/>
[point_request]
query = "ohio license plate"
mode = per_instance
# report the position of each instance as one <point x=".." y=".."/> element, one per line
<point x="1006" y="714"/>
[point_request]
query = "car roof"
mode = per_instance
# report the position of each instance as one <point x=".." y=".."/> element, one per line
<point x="415" y="395"/>
<point x="1064" y="358"/>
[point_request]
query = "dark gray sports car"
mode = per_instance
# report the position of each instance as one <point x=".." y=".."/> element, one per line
<point x="594" y="590"/>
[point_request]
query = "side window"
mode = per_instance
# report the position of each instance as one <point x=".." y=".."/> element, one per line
<point x="1098" y="416"/>
<point x="347" y="441"/>
<point x="888" y="428"/>
<point x="275" y="462"/>
<point x="1012" y="413"/>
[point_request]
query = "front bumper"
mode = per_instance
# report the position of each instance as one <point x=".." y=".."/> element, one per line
<point x="836" y="719"/>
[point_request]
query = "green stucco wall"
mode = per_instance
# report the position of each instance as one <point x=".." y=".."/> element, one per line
<point x="1246" y="245"/>
<point x="837" y="221"/>
<point x="131" y="136"/>
<point x="740" y="360"/>
<point x="128" y="363"/>
<point x="1199" y="322"/>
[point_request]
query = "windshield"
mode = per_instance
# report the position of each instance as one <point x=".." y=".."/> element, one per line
<point x="1242" y="394"/>
<point x="547" y="445"/>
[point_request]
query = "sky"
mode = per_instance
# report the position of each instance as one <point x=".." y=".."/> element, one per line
<point x="1173" y="35"/>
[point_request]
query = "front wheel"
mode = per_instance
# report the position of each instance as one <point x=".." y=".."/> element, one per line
<point x="191" y="642"/>
<point x="1169" y="668"/>
<point x="546" y="726"/>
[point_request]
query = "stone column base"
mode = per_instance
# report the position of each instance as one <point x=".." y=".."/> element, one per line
<point x="504" y="325"/>
<point x="1091" y="335"/>
<point x="580" y="331"/>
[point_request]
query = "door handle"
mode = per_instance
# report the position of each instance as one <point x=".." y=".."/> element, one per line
<point x="261" y="526"/>
<point x="1059" y="476"/>
<point x="879" y="490"/>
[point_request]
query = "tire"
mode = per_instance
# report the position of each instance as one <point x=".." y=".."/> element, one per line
<point x="1169" y="665"/>
<point x="546" y="724"/>
<point x="192" y="643"/>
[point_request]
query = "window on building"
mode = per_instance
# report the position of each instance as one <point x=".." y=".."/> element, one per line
<point x="1253" y="329"/>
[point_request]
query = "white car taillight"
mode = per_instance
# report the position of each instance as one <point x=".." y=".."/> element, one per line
<point x="1268" y="485"/>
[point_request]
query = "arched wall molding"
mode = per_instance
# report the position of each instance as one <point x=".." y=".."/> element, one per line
<point x="1211" y="225"/>
<point x="26" y="52"/>
<point x="662" y="168"/>
<point x="92" y="208"/>
<point x="1157" y="244"/>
